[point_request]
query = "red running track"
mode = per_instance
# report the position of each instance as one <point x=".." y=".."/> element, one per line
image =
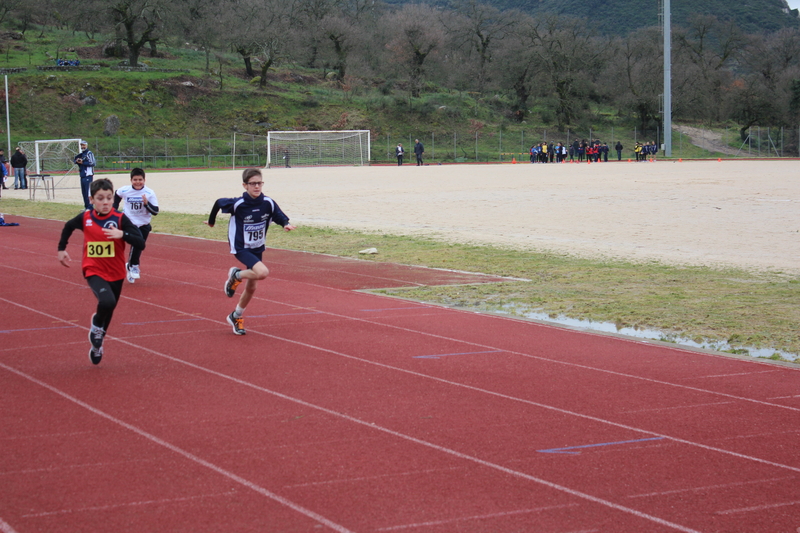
<point x="347" y="411"/>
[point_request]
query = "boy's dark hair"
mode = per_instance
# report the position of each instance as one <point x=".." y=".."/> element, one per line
<point x="249" y="173"/>
<point x="137" y="172"/>
<point x="103" y="184"/>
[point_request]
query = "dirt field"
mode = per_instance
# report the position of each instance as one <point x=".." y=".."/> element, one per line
<point x="736" y="213"/>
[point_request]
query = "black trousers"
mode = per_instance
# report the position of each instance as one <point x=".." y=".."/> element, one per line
<point x="107" y="294"/>
<point x="136" y="253"/>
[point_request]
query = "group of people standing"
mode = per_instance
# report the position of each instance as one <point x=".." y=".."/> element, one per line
<point x="419" y="149"/>
<point x="593" y="151"/>
<point x="16" y="166"/>
<point x="646" y="151"/>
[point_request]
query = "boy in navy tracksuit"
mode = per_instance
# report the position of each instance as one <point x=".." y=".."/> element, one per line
<point x="251" y="215"/>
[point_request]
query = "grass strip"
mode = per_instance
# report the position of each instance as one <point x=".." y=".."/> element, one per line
<point x="745" y="309"/>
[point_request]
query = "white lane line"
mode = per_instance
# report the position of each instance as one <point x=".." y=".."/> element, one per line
<point x="128" y="504"/>
<point x="710" y="487"/>
<point x="477" y="517"/>
<point x="188" y="455"/>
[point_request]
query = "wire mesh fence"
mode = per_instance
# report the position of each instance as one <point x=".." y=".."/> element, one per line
<point x="467" y="145"/>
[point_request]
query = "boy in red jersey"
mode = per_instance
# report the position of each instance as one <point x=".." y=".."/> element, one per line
<point x="105" y="232"/>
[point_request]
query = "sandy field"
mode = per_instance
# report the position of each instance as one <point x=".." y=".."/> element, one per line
<point x="728" y="213"/>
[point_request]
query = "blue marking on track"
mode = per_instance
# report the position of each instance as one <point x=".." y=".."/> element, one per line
<point x="437" y="356"/>
<point x="566" y="450"/>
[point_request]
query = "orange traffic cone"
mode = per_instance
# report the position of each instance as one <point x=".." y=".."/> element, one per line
<point x="719" y="160"/>
<point x="680" y="160"/>
<point x="513" y="160"/>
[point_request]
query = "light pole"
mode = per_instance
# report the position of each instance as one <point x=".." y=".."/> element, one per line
<point x="667" y="80"/>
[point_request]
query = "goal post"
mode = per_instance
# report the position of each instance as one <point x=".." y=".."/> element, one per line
<point x="55" y="157"/>
<point x="318" y="148"/>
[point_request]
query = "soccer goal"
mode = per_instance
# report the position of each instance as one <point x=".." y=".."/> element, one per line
<point x="317" y="148"/>
<point x="55" y="157"/>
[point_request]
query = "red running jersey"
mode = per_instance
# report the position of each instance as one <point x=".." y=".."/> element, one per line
<point x="102" y="256"/>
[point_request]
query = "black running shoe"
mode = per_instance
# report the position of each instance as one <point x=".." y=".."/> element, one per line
<point x="96" y="335"/>
<point x="237" y="323"/>
<point x="95" y="355"/>
<point x="232" y="282"/>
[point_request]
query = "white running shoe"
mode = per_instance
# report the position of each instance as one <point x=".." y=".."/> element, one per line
<point x="129" y="274"/>
<point x="135" y="271"/>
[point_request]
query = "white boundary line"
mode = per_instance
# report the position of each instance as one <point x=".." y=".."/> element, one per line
<point x="180" y="451"/>
<point x="336" y="414"/>
<point x="373" y="426"/>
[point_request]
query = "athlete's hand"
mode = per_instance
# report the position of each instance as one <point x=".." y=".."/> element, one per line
<point x="113" y="233"/>
<point x="63" y="258"/>
<point x="207" y="223"/>
<point x="144" y="199"/>
<point x="289" y="227"/>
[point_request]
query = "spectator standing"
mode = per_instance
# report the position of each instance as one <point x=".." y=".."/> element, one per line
<point x="5" y="170"/>
<point x="18" y="163"/>
<point x="418" y="151"/>
<point x="86" y="162"/>
<point x="618" y="147"/>
<point x="399" y="153"/>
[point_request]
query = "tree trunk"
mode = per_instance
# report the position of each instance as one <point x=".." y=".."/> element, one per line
<point x="264" y="68"/>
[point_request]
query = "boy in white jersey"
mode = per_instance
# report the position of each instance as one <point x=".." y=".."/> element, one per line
<point x="140" y="204"/>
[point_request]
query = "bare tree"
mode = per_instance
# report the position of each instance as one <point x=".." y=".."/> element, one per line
<point x="415" y="36"/>
<point x="634" y="75"/>
<point x="705" y="52"/>
<point x="242" y="23"/>
<point x="7" y="7"/>
<point x="201" y="22"/>
<point x="567" y="58"/>
<point x="340" y="32"/>
<point x="473" y="29"/>
<point x="306" y="18"/>
<point x="762" y="94"/>
<point x="137" y="23"/>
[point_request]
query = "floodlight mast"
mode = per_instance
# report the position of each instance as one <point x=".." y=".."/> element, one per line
<point x="667" y="80"/>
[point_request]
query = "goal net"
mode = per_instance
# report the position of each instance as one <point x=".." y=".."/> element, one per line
<point x="317" y="148"/>
<point x="55" y="157"/>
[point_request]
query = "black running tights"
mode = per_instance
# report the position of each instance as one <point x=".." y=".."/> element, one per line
<point x="107" y="294"/>
<point x="136" y="253"/>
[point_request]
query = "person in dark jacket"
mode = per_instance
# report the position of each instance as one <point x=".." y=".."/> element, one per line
<point x="18" y="163"/>
<point x="86" y="162"/>
<point x="618" y="147"/>
<point x="418" y="151"/>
